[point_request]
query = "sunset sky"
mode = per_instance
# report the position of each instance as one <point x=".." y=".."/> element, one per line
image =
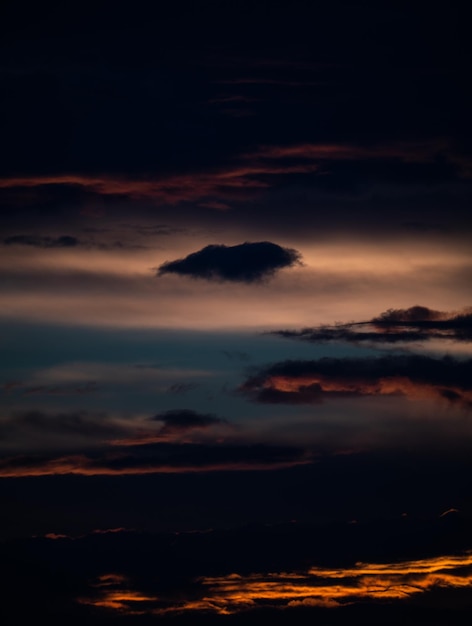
<point x="236" y="312"/>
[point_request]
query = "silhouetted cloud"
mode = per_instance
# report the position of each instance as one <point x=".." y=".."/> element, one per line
<point x="417" y="323"/>
<point x="182" y="420"/>
<point x="305" y="382"/>
<point x="246" y="262"/>
<point x="42" y="241"/>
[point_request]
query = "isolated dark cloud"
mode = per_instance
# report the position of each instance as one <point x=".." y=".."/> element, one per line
<point x="305" y="382"/>
<point x="42" y="241"/>
<point x="417" y="323"/>
<point x="182" y="420"/>
<point x="246" y="262"/>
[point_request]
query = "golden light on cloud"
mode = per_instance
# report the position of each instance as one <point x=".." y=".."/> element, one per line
<point x="116" y="596"/>
<point x="324" y="587"/>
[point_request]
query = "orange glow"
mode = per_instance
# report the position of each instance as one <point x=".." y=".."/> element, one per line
<point x="123" y="600"/>
<point x="397" y="385"/>
<point x="116" y="596"/>
<point x="316" y="587"/>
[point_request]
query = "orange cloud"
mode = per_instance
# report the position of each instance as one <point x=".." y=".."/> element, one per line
<point x="394" y="385"/>
<point x="325" y="587"/>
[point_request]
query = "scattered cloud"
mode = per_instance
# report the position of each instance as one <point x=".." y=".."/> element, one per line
<point x="247" y="262"/>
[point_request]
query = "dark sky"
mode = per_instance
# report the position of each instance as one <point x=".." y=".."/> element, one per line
<point x="235" y="317"/>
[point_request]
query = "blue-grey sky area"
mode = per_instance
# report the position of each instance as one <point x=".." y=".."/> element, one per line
<point x="235" y="313"/>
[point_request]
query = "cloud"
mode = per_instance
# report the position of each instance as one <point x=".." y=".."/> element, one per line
<point x="415" y="313"/>
<point x="246" y="262"/>
<point x="67" y="428"/>
<point x="237" y="181"/>
<point x="325" y="587"/>
<point x="38" y="241"/>
<point x="121" y="573"/>
<point x="154" y="458"/>
<point x="183" y="420"/>
<point x="413" y="376"/>
<point x="415" y="324"/>
<point x="247" y="175"/>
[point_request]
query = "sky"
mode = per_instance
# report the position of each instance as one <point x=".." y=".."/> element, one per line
<point x="236" y="316"/>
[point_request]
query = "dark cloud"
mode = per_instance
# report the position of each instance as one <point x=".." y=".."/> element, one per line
<point x="38" y="241"/>
<point x="182" y="420"/>
<point x="305" y="382"/>
<point x="47" y="428"/>
<point x="413" y="314"/>
<point x="155" y="458"/>
<point x="417" y="323"/>
<point x="247" y="262"/>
